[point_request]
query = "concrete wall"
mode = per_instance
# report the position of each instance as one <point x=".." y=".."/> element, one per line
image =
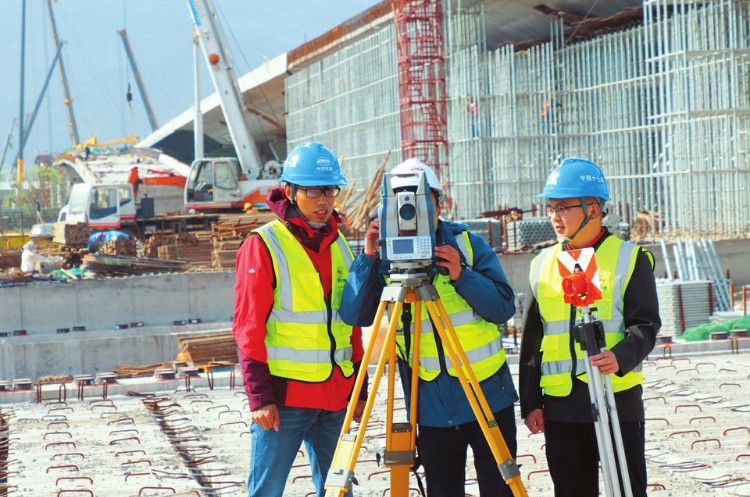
<point x="41" y="355"/>
<point x="102" y="304"/>
<point x="158" y="301"/>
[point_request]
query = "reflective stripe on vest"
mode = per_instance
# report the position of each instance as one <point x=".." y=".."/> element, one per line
<point x="546" y="283"/>
<point x="304" y="335"/>
<point x="480" y="339"/>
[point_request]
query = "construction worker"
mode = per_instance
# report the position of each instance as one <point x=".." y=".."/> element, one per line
<point x="555" y="397"/>
<point x="299" y="360"/>
<point x="30" y="256"/>
<point x="476" y="294"/>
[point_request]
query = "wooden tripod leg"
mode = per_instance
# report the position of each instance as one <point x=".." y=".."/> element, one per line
<point x="340" y="476"/>
<point x="506" y="464"/>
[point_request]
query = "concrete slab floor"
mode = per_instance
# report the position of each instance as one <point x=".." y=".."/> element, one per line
<point x="165" y="437"/>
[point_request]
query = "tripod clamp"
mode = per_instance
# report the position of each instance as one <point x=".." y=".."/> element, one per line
<point x="590" y="334"/>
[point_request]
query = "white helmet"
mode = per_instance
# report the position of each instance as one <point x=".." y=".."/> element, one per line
<point x="413" y="166"/>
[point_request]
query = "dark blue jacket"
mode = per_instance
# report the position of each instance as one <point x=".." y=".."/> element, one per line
<point x="442" y="402"/>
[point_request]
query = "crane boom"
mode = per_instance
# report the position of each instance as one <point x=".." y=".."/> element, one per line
<point x="64" y="80"/>
<point x="138" y="80"/>
<point x="224" y="78"/>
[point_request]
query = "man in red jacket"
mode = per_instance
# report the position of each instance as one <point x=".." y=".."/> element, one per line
<point x="299" y="359"/>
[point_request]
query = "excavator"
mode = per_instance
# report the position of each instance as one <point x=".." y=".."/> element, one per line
<point x="226" y="183"/>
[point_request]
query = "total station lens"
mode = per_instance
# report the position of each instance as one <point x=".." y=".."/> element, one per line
<point x="407" y="212"/>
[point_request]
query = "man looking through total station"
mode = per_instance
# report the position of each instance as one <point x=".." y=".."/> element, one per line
<point x="477" y="296"/>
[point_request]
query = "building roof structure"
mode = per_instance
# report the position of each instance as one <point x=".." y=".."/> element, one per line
<point x="520" y="22"/>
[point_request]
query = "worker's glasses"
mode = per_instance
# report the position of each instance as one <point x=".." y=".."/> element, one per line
<point x="562" y="210"/>
<point x="329" y="191"/>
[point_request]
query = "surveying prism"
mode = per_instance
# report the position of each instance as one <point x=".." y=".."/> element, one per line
<point x="582" y="288"/>
<point x="407" y="242"/>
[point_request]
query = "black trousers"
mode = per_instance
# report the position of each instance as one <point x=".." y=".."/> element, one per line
<point x="573" y="457"/>
<point x="443" y="453"/>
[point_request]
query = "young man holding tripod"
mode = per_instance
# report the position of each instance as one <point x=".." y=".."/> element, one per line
<point x="555" y="397"/>
<point x="477" y="297"/>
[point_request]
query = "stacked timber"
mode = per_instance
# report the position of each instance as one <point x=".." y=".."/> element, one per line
<point x="120" y="246"/>
<point x="229" y="232"/>
<point x="224" y="253"/>
<point x="10" y="258"/>
<point x="139" y="371"/>
<point x="74" y="235"/>
<point x="205" y="349"/>
<point x="52" y="380"/>
<point x="360" y="209"/>
<point x="194" y="247"/>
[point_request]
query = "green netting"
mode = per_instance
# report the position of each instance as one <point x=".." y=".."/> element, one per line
<point x="742" y="323"/>
<point x="703" y="331"/>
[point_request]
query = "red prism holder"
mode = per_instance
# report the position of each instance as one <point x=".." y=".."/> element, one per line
<point x="580" y="277"/>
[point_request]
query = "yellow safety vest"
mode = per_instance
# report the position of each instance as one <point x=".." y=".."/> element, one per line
<point x="480" y="339"/>
<point x="615" y="260"/>
<point x="304" y="336"/>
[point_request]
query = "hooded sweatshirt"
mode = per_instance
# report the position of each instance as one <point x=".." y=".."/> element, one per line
<point x="254" y="300"/>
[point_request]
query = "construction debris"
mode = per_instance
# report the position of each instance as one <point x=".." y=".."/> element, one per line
<point x="113" y="265"/>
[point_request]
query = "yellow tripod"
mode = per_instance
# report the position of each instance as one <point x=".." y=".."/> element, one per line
<point x="401" y="437"/>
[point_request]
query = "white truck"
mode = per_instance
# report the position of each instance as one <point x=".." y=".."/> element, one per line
<point x="113" y="207"/>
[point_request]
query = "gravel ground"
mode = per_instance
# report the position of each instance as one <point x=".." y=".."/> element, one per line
<point x="196" y="442"/>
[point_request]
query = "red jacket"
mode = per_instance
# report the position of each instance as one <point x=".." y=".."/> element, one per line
<point x="253" y="302"/>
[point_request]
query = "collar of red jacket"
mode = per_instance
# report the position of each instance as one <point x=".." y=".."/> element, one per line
<point x="594" y="243"/>
<point x="312" y="238"/>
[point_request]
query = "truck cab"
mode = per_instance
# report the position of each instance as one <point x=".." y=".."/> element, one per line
<point x="103" y="207"/>
<point x="220" y="184"/>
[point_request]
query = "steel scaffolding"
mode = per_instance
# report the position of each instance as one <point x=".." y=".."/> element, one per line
<point x="421" y="74"/>
<point x="349" y="102"/>
<point x="662" y="107"/>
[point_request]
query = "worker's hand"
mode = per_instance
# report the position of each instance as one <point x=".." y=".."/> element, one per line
<point x="266" y="417"/>
<point x="535" y="421"/>
<point x="359" y="410"/>
<point x="606" y="362"/>
<point x="371" y="239"/>
<point x="450" y="260"/>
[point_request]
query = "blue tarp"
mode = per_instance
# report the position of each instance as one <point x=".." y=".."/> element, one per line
<point x="103" y="236"/>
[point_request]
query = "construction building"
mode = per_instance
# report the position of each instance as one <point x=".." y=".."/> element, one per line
<point x="655" y="92"/>
<point x="494" y="93"/>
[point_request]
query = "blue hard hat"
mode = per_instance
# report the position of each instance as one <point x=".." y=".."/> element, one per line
<point x="312" y="164"/>
<point x="575" y="178"/>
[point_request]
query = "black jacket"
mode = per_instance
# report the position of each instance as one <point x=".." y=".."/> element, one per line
<point x="642" y="323"/>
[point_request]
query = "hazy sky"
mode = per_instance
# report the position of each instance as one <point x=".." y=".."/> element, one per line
<point x="160" y="34"/>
